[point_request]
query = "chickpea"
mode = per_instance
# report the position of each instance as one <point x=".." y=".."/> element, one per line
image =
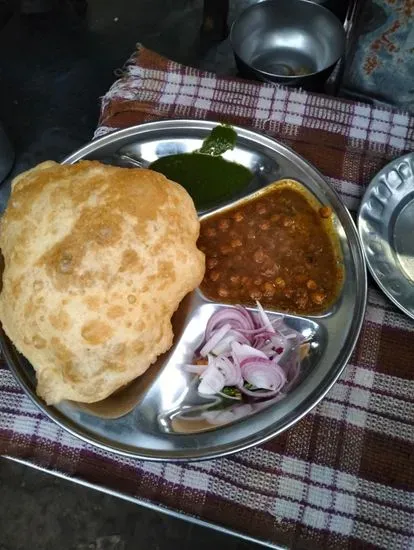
<point x="311" y="284"/>
<point x="301" y="299"/>
<point x="318" y="297"/>
<point x="325" y="212"/>
<point x="259" y="256"/>
<point x="235" y="279"/>
<point x="288" y="222"/>
<point x="211" y="232"/>
<point x="236" y="243"/>
<point x="212" y="262"/>
<point x="269" y="290"/>
<point x="223" y="292"/>
<point x="271" y="270"/>
<point x="238" y="216"/>
<point x="225" y="249"/>
<point x="224" y="224"/>
<point x="255" y="294"/>
<point x="214" y="276"/>
<point x="279" y="282"/>
<point x="264" y="226"/>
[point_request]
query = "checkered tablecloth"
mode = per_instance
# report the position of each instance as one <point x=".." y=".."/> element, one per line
<point x="343" y="477"/>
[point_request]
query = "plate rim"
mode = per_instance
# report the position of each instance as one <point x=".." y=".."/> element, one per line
<point x="371" y="268"/>
<point x="309" y="403"/>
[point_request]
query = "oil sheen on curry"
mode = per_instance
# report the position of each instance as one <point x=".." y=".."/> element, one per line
<point x="278" y="247"/>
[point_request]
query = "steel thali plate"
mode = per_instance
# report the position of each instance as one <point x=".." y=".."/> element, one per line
<point x="158" y="426"/>
<point x="386" y="227"/>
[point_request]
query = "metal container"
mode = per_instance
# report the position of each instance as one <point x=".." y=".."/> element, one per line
<point x="293" y="42"/>
<point x="149" y="430"/>
<point x="386" y="225"/>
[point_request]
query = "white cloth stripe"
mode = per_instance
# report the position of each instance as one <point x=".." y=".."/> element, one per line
<point x="358" y="121"/>
<point x="380" y="404"/>
<point x="245" y="475"/>
<point x="378" y="381"/>
<point x="364" y="419"/>
<point x="324" y="476"/>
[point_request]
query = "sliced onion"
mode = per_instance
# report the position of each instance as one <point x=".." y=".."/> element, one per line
<point x="194" y="369"/>
<point x="230" y="370"/>
<point x="225" y="345"/>
<point x="264" y="318"/>
<point x="254" y="331"/>
<point x="262" y="374"/>
<point x="237" y="318"/>
<point x="264" y="339"/>
<point x="249" y="316"/>
<point x="267" y="349"/>
<point x="242" y="351"/>
<point x="265" y="361"/>
<point x="278" y="340"/>
<point x="220" y="372"/>
<point x="241" y="347"/>
<point x="212" y="381"/>
<point x="274" y="346"/>
<point x="214" y="340"/>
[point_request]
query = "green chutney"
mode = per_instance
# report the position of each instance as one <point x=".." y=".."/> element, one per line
<point x="207" y="177"/>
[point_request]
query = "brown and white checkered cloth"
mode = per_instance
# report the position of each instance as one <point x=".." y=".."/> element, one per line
<point x="343" y="477"/>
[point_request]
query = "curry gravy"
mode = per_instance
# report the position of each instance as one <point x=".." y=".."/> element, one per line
<point x="279" y="247"/>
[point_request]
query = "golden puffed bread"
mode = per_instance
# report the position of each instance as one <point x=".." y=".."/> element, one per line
<point x="97" y="259"/>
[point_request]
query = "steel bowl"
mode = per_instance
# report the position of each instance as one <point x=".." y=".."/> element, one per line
<point x="287" y="41"/>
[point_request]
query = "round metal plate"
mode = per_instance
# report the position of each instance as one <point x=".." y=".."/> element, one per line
<point x="386" y="226"/>
<point x="149" y="430"/>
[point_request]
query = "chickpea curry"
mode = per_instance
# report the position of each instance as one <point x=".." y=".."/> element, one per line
<point x="278" y="247"/>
